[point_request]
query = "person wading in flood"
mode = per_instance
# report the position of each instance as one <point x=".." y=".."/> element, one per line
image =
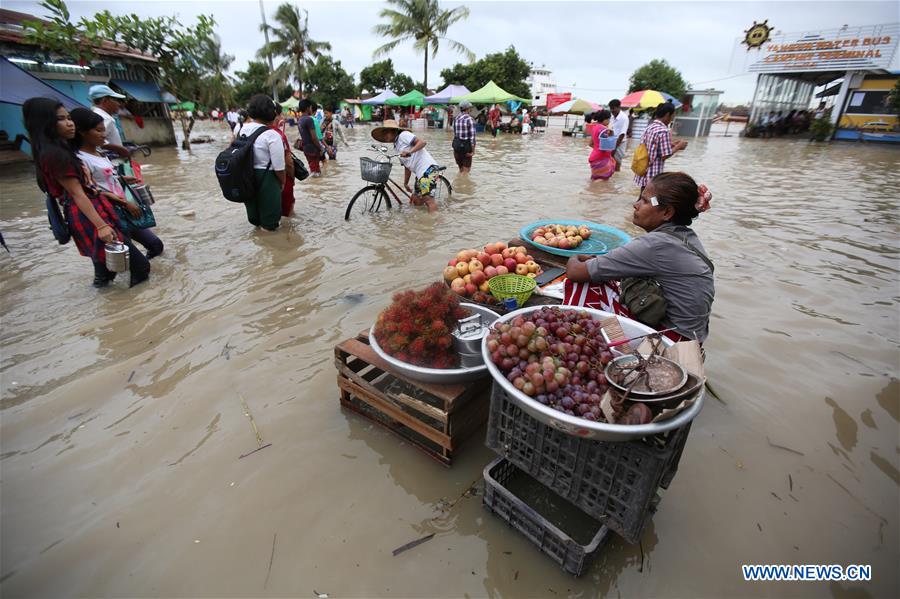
<point x="657" y="139"/>
<point x="264" y="210"/>
<point x="309" y="142"/>
<point x="90" y="133"/>
<point x="107" y="104"/>
<point x="416" y="160"/>
<point x="618" y="122"/>
<point x="464" y="138"/>
<point x="90" y="217"/>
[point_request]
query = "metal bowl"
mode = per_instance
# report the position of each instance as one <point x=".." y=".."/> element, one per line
<point x="580" y="427"/>
<point x="443" y="376"/>
<point x="644" y="395"/>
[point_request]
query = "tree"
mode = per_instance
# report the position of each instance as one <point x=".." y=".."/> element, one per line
<point x="893" y="99"/>
<point x="507" y="69"/>
<point x="381" y="75"/>
<point x="255" y="81"/>
<point x="217" y="88"/>
<point x="422" y="22"/>
<point x="328" y="83"/>
<point x="184" y="52"/>
<point x="658" y="75"/>
<point x="293" y="44"/>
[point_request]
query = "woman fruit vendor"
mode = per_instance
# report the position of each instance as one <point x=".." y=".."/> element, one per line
<point x="669" y="256"/>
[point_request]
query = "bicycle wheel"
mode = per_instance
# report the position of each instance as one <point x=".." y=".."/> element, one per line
<point x="442" y="188"/>
<point x="368" y="200"/>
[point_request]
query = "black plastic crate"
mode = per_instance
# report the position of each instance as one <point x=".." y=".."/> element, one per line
<point x="552" y="531"/>
<point x="614" y="482"/>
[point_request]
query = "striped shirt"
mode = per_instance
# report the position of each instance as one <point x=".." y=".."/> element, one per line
<point x="658" y="140"/>
<point x="464" y="128"/>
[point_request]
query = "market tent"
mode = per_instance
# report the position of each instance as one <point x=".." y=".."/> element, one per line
<point x="291" y="103"/>
<point x="413" y="98"/>
<point x="380" y="98"/>
<point x="448" y="93"/>
<point x="186" y="105"/>
<point x="491" y="93"/>
<point x="74" y="89"/>
<point x="576" y="106"/>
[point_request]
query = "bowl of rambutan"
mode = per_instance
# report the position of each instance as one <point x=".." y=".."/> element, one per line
<point x="415" y="335"/>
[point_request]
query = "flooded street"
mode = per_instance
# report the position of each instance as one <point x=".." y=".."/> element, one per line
<point x="121" y="416"/>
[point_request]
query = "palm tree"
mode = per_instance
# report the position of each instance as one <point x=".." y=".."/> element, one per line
<point x="217" y="88"/>
<point x="291" y="42"/>
<point x="425" y="23"/>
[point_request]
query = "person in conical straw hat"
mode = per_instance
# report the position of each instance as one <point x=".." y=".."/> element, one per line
<point x="415" y="159"/>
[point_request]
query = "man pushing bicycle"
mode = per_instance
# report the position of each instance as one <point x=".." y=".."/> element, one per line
<point x="415" y="159"/>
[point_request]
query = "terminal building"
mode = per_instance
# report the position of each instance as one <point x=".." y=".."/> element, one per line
<point x="854" y="68"/>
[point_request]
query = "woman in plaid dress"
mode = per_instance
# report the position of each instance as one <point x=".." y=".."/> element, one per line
<point x="91" y="218"/>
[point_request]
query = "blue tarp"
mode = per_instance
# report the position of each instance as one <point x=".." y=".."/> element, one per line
<point x="73" y="89"/>
<point x="17" y="85"/>
<point x="142" y="91"/>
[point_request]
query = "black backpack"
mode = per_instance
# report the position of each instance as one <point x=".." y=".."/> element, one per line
<point x="234" y="168"/>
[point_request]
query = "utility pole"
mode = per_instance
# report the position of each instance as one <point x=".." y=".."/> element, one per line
<point x="262" y="12"/>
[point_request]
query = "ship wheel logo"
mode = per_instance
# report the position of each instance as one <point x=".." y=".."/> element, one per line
<point x="757" y="35"/>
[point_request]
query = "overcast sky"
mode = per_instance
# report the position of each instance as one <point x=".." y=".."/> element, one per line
<point x="591" y="47"/>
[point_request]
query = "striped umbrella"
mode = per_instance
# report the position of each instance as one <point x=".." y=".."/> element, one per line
<point x="576" y="106"/>
<point x="648" y="98"/>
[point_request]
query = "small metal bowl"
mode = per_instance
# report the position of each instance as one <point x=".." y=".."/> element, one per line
<point x="638" y="393"/>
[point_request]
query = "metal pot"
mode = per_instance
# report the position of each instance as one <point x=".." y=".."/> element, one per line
<point x="117" y="256"/>
<point x="468" y="334"/>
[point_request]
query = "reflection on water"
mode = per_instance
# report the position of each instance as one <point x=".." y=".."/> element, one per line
<point x="122" y="425"/>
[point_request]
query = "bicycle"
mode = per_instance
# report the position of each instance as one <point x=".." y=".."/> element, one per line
<point x="372" y="198"/>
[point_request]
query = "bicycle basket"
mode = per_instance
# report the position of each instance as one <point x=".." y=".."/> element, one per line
<point x="374" y="171"/>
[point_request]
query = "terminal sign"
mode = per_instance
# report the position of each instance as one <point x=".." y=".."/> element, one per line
<point x="844" y="49"/>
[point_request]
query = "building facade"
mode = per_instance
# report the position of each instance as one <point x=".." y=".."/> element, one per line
<point x="126" y="70"/>
<point x="541" y="82"/>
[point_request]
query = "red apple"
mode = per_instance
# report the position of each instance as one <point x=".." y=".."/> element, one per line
<point x="502" y="270"/>
<point x="521" y="258"/>
<point x="491" y="249"/>
<point x="452" y="262"/>
<point x="478" y="277"/>
<point x="489" y="271"/>
<point x="510" y="264"/>
<point x="483" y="258"/>
<point x="521" y="269"/>
<point x="496" y="259"/>
<point x="471" y="288"/>
<point x="501" y="246"/>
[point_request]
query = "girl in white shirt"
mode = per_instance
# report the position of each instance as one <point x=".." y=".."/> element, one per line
<point x="90" y="133"/>
<point x="264" y="210"/>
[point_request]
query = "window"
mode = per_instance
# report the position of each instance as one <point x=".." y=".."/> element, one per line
<point x="869" y="102"/>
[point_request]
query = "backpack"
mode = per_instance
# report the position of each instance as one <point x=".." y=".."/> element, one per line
<point x="644" y="299"/>
<point x="57" y="223"/>
<point x="640" y="162"/>
<point x="234" y="168"/>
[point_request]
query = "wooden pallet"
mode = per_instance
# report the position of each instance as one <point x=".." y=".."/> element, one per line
<point x="433" y="418"/>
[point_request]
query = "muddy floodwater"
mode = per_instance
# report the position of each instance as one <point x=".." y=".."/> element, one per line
<point x="123" y="422"/>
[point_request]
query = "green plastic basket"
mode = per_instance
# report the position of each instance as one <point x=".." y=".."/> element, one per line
<point x="515" y="286"/>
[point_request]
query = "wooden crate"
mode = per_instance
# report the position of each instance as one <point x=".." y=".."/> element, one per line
<point x="433" y="418"/>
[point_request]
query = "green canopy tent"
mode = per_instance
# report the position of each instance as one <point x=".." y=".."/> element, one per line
<point x="291" y="103"/>
<point x="413" y="98"/>
<point x="184" y="106"/>
<point x="491" y="93"/>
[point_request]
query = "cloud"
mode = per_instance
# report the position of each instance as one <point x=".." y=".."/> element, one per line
<point x="592" y="45"/>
